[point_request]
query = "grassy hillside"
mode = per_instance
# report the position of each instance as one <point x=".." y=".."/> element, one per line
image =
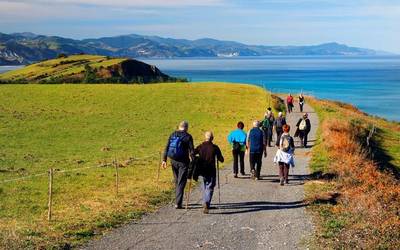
<point x="359" y="207"/>
<point x="88" y="126"/>
<point x="86" y="68"/>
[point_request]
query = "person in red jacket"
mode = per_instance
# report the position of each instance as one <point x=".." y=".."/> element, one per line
<point x="289" y="102"/>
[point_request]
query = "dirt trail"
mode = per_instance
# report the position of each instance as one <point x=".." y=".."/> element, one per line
<point x="252" y="214"/>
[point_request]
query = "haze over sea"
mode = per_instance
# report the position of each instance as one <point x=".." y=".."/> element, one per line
<point x="370" y="83"/>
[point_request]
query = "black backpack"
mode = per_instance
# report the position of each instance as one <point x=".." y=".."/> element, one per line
<point x="236" y="147"/>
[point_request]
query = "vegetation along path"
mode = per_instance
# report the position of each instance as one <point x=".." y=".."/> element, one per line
<point x="252" y="214"/>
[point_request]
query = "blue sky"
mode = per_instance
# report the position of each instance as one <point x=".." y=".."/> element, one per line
<point x="365" y="23"/>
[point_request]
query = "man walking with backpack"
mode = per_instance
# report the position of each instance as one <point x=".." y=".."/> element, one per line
<point x="278" y="124"/>
<point x="180" y="150"/>
<point x="304" y="127"/>
<point x="237" y="139"/>
<point x="208" y="154"/>
<point x="256" y="145"/>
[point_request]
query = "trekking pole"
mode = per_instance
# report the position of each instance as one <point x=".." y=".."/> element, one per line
<point x="219" y="187"/>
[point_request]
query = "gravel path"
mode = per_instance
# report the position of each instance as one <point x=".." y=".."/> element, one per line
<point x="252" y="214"/>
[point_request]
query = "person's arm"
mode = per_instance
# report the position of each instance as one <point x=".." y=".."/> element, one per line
<point x="220" y="158"/>
<point x="164" y="163"/>
<point x="197" y="150"/>
<point x="308" y="125"/>
<point x="191" y="148"/>
<point x="248" y="143"/>
<point x="230" y="138"/>
<point x="298" y="123"/>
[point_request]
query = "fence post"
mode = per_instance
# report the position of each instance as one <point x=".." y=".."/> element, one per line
<point x="50" y="194"/>
<point x="116" y="177"/>
<point x="159" y="169"/>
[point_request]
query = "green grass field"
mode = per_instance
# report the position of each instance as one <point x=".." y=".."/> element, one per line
<point x="88" y="126"/>
<point x="60" y="67"/>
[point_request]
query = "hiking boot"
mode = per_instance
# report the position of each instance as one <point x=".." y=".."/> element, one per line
<point x="282" y="182"/>
<point x="178" y="207"/>
<point x="205" y="209"/>
<point x="243" y="173"/>
<point x="235" y="176"/>
<point x="287" y="181"/>
<point x="253" y="175"/>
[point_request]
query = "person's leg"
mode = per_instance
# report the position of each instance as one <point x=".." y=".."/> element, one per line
<point x="305" y="139"/>
<point x="301" y="136"/>
<point x="175" y="172"/>
<point x="281" y="177"/>
<point x="259" y="164"/>
<point x="241" y="158"/>
<point x="235" y="162"/>
<point x="182" y="179"/>
<point x="286" y="173"/>
<point x="278" y="137"/>
<point x="252" y="162"/>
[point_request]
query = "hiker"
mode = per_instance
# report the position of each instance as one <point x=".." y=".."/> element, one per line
<point x="289" y="102"/>
<point x="266" y="125"/>
<point x="301" y="102"/>
<point x="278" y="125"/>
<point x="284" y="155"/>
<point x="179" y="148"/>
<point x="256" y="145"/>
<point x="304" y="127"/>
<point x="208" y="152"/>
<point x="237" y="139"/>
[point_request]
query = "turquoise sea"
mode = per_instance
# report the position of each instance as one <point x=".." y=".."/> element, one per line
<point x="370" y="83"/>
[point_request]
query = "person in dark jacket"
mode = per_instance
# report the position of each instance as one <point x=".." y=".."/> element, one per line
<point x="267" y="125"/>
<point x="301" y="102"/>
<point x="180" y="150"/>
<point x="256" y="145"/>
<point x="208" y="153"/>
<point x="304" y="127"/>
<point x="279" y="122"/>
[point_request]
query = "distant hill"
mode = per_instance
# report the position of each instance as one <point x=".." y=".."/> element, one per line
<point x="23" y="48"/>
<point x="87" y="69"/>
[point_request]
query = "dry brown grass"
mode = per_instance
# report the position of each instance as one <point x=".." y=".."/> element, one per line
<point x="368" y="208"/>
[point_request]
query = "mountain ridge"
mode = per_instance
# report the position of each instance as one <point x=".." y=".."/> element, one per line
<point x="27" y="47"/>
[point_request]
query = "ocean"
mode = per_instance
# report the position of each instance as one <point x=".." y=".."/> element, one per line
<point x="370" y="83"/>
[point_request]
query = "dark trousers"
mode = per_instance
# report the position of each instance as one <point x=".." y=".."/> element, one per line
<point x="278" y="137"/>
<point x="236" y="157"/>
<point x="301" y="106"/>
<point x="303" y="138"/>
<point x="255" y="163"/>
<point x="290" y="107"/>
<point x="180" y="171"/>
<point x="283" y="171"/>
<point x="268" y="133"/>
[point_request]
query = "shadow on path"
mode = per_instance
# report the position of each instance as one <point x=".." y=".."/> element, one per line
<point x="256" y="206"/>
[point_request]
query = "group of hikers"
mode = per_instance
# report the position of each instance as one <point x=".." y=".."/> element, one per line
<point x="188" y="162"/>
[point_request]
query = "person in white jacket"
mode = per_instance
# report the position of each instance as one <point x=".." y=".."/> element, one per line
<point x="284" y="155"/>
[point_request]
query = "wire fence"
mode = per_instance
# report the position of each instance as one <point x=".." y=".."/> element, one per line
<point x="114" y="167"/>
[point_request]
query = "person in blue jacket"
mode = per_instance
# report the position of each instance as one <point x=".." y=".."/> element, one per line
<point x="237" y="138"/>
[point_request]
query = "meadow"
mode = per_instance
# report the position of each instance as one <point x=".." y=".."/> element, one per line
<point x="79" y="131"/>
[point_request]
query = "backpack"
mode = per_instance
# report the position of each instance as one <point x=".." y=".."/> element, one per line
<point x="286" y="143"/>
<point x="236" y="147"/>
<point x="266" y="124"/>
<point x="175" y="149"/>
<point x="303" y="125"/>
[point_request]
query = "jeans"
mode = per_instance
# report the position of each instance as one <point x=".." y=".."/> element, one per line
<point x="278" y="137"/>
<point x="255" y="163"/>
<point x="236" y="157"/>
<point x="180" y="171"/>
<point x="208" y="189"/>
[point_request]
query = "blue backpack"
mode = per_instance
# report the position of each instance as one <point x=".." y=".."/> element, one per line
<point x="175" y="149"/>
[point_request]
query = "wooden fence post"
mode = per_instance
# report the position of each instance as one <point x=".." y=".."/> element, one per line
<point x="50" y="195"/>
<point x="116" y="177"/>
